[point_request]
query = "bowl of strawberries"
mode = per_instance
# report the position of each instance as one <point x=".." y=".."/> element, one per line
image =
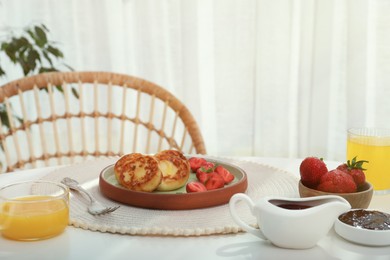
<point x="347" y="180"/>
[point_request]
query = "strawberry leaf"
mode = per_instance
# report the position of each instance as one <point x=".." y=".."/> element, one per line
<point x="354" y="164"/>
<point x="207" y="170"/>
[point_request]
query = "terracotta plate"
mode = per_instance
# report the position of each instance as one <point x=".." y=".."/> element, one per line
<point x="173" y="200"/>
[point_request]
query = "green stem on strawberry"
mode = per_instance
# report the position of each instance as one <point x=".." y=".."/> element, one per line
<point x="354" y="164"/>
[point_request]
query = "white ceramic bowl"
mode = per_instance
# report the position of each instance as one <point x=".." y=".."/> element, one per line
<point x="362" y="236"/>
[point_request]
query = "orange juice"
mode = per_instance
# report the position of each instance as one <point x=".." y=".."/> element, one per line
<point x="33" y="217"/>
<point x="375" y="150"/>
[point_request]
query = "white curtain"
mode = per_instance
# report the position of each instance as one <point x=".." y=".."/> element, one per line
<point x="276" y="78"/>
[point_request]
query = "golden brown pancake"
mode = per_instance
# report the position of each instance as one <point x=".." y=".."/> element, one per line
<point x="175" y="170"/>
<point x="173" y="153"/>
<point x="118" y="167"/>
<point x="138" y="172"/>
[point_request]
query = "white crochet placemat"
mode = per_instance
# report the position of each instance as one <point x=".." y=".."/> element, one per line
<point x="263" y="180"/>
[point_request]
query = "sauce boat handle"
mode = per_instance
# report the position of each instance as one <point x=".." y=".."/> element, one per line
<point x="232" y="206"/>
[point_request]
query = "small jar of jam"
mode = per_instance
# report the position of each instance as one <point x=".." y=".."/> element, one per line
<point x="367" y="219"/>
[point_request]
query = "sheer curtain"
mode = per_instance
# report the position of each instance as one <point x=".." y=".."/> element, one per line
<point x="264" y="78"/>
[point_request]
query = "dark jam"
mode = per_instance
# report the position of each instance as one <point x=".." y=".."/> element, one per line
<point x="293" y="206"/>
<point x="368" y="219"/>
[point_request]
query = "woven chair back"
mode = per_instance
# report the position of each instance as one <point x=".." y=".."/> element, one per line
<point x="63" y="117"/>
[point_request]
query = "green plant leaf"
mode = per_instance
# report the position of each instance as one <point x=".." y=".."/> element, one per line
<point x="2" y="72"/>
<point x="60" y="88"/>
<point x="3" y="115"/>
<point x="41" y="38"/>
<point x="31" y="33"/>
<point x="32" y="58"/>
<point x="69" y="67"/>
<point x="47" y="57"/>
<point x="24" y="65"/>
<point x="55" y="51"/>
<point x="44" y="27"/>
<point x="4" y="46"/>
<point x="10" y="52"/>
<point x="23" y="50"/>
<point x="20" y="43"/>
<point x="46" y="69"/>
<point x="75" y="92"/>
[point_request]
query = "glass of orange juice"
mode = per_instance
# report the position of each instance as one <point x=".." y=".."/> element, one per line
<point x="372" y="145"/>
<point x="33" y="210"/>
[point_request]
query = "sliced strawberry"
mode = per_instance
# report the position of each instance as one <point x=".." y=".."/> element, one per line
<point x="215" y="181"/>
<point x="207" y="167"/>
<point x="226" y="175"/>
<point x="195" y="186"/>
<point x="196" y="162"/>
<point x="202" y="176"/>
<point x="203" y="172"/>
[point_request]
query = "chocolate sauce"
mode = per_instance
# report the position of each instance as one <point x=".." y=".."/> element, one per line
<point x="368" y="219"/>
<point x="293" y="206"/>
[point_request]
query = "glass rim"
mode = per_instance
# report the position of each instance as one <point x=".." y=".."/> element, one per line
<point x="369" y="131"/>
<point x="65" y="191"/>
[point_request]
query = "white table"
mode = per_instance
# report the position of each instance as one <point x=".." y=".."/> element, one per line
<point x="76" y="243"/>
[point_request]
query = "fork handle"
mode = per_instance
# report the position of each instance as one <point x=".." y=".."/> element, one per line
<point x="82" y="190"/>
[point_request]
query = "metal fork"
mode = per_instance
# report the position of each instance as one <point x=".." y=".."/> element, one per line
<point x="95" y="207"/>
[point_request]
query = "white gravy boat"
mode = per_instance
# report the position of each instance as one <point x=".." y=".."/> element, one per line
<point x="285" y="225"/>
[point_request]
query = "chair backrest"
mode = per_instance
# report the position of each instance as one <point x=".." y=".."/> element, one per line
<point x="64" y="117"/>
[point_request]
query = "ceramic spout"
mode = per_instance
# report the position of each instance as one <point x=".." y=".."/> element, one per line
<point x="335" y="206"/>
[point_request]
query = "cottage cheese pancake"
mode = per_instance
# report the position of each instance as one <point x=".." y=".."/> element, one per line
<point x="175" y="170"/>
<point x="138" y="172"/>
<point x="118" y="167"/>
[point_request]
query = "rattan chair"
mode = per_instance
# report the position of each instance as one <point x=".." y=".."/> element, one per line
<point x="63" y="117"/>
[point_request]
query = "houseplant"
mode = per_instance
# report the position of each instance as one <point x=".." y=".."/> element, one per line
<point x="30" y="50"/>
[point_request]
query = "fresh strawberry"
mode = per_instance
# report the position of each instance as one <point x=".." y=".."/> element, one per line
<point x="196" y="162"/>
<point x="311" y="170"/>
<point x="226" y="175"/>
<point x="202" y="176"/>
<point x="337" y="181"/>
<point x="215" y="181"/>
<point x="207" y="167"/>
<point x="355" y="169"/>
<point x="195" y="186"/>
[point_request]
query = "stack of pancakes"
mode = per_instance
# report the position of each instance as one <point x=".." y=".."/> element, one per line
<point x="165" y="171"/>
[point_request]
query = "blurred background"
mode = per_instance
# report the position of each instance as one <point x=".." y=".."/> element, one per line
<point x="272" y="78"/>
